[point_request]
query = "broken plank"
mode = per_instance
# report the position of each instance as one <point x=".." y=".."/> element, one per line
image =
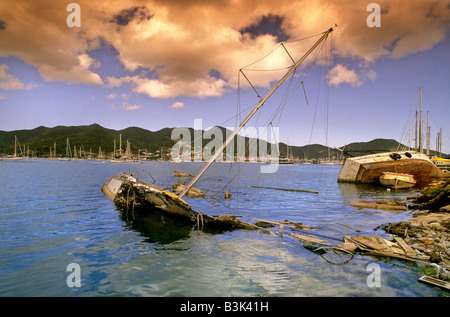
<point x="288" y="189"/>
<point x="373" y="242"/>
<point x="393" y="255"/>
<point x="308" y="238"/>
<point x="375" y="205"/>
<point x="409" y="251"/>
<point x="435" y="282"/>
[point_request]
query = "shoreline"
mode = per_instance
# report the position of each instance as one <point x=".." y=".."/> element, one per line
<point x="428" y="230"/>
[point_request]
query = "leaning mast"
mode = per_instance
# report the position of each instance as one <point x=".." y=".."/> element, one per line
<point x="259" y="105"/>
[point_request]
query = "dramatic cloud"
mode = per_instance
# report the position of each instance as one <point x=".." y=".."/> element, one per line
<point x="180" y="43"/>
<point x="125" y="16"/>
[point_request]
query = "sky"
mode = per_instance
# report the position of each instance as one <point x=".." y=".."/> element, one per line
<point x="171" y="63"/>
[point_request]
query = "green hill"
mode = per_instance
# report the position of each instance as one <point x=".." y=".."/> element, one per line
<point x="89" y="138"/>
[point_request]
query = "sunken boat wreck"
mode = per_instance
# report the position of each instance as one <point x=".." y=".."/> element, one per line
<point x="130" y="194"/>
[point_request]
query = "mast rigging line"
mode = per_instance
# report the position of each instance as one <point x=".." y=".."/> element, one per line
<point x="250" y="115"/>
<point x="407" y="121"/>
<point x="291" y="91"/>
<point x="301" y="76"/>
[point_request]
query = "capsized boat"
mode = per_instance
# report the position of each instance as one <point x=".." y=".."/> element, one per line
<point x="369" y="168"/>
<point x="397" y="180"/>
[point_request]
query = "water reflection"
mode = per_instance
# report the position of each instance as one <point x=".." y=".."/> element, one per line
<point x="155" y="226"/>
<point x="351" y="191"/>
<point x="158" y="227"/>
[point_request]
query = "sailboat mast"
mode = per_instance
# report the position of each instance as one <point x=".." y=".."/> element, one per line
<point x="420" y="124"/>
<point x="415" y="134"/>
<point x="250" y="115"/>
<point x="428" y="135"/>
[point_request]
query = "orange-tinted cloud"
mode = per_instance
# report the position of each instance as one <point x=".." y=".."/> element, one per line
<point x="184" y="42"/>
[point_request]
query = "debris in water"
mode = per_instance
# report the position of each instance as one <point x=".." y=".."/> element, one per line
<point x="288" y="189"/>
<point x="392" y="205"/>
<point x="192" y="193"/>
<point x="227" y="195"/>
<point x="182" y="174"/>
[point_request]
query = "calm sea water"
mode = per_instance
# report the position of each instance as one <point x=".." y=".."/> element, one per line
<point x="53" y="213"/>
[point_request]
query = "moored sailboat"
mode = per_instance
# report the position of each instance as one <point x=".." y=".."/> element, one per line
<point x="15" y="157"/>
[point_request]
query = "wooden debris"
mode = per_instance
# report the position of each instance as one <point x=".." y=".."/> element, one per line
<point x="296" y="226"/>
<point x="227" y="195"/>
<point x="182" y="174"/>
<point x="293" y="226"/>
<point x="379" y="205"/>
<point x="408" y="250"/>
<point x="288" y="189"/>
<point x="351" y="247"/>
<point x="192" y="193"/>
<point x="375" y="245"/>
<point x="373" y="242"/>
<point x="308" y="238"/>
<point x="435" y="282"/>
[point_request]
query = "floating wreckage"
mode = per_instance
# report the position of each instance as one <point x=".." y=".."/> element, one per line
<point x="369" y="168"/>
<point x="181" y="174"/>
<point x="192" y="193"/>
<point x="379" y="204"/>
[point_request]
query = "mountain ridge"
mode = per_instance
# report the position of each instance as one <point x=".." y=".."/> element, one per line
<point x="94" y="136"/>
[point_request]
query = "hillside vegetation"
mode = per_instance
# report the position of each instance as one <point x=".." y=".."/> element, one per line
<point x="92" y="138"/>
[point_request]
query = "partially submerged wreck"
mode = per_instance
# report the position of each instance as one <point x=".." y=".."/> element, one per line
<point x="129" y="193"/>
<point x="369" y="168"/>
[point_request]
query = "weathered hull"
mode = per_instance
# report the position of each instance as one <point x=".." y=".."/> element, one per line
<point x="397" y="180"/>
<point x="129" y="193"/>
<point x="369" y="168"/>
